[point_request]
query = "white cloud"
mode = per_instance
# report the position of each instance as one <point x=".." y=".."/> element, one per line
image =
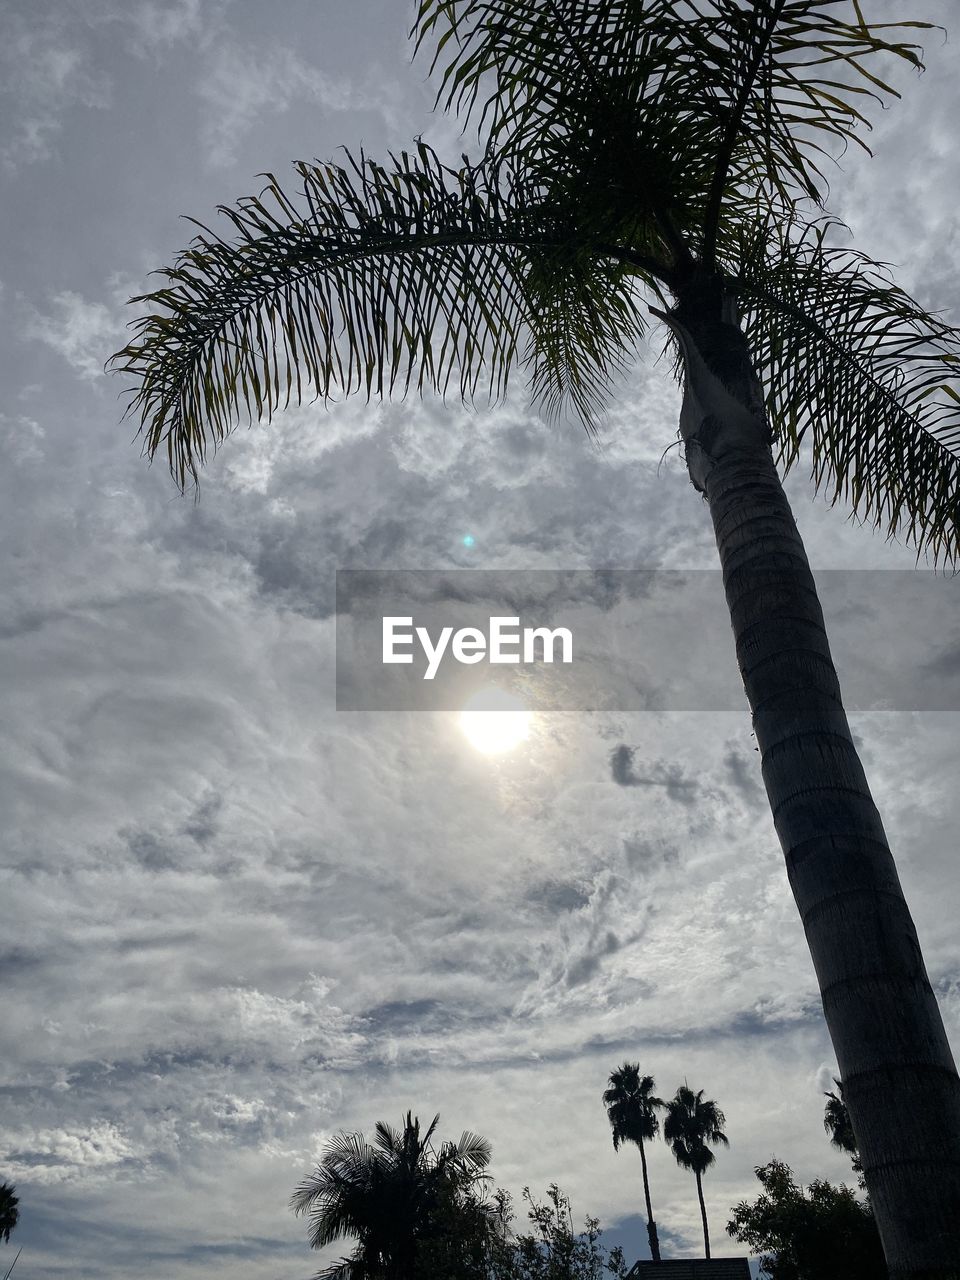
<point x="44" y="79"/>
<point x="55" y="1155"/>
<point x="245" y="84"/>
<point x="20" y="439"/>
<point x="85" y="333"/>
<point x="155" y="26"/>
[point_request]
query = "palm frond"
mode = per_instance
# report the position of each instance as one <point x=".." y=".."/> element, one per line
<point x="345" y="1269"/>
<point x="631" y="1105"/>
<point x="9" y="1212"/>
<point x="722" y="97"/>
<point x="852" y="363"/>
<point x="691" y="1123"/>
<point x="375" y="279"/>
<point x="333" y="1195"/>
<point x="588" y="325"/>
<point x="431" y="1129"/>
<point x="378" y="280"/>
<point x="793" y="83"/>
<point x="387" y="1139"/>
<point x="471" y="1151"/>
<point x="539" y="76"/>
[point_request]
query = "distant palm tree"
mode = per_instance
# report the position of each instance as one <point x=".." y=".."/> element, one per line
<point x="836" y="1121"/>
<point x="691" y="1124"/>
<point x="632" y="1110"/>
<point x="9" y="1213"/>
<point x="386" y="1194"/>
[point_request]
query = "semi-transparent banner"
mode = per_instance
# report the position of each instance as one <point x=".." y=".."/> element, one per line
<point x="624" y="639"/>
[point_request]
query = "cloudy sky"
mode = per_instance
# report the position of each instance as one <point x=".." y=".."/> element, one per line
<point x="236" y="920"/>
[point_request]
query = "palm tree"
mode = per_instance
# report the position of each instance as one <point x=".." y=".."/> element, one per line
<point x="691" y="1124"/>
<point x="641" y="156"/>
<point x="387" y="1194"/>
<point x="836" y="1121"/>
<point x="632" y="1110"/>
<point x="9" y="1213"/>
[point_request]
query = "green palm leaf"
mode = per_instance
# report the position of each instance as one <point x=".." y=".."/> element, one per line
<point x="739" y="96"/>
<point x="378" y="280"/>
<point x="852" y="363"/>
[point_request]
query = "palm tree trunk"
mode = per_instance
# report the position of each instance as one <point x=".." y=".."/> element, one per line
<point x="651" y="1225"/>
<point x="703" y="1216"/>
<point x="899" y="1077"/>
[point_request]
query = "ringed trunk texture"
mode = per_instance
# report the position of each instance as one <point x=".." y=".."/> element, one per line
<point x="703" y="1217"/>
<point x="651" y="1225"/>
<point x="899" y="1077"/>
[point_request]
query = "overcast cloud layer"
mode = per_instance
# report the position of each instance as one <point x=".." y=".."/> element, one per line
<point x="235" y="920"/>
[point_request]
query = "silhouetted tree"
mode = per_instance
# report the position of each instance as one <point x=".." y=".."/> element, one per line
<point x="390" y="1195"/>
<point x="482" y="1246"/>
<point x="632" y="1110"/>
<point x="693" y="1124"/>
<point x="554" y="1251"/>
<point x="823" y="1233"/>
<point x="9" y="1213"/>
<point x="468" y="1238"/>
<point x="635" y="151"/>
<point x="836" y="1121"/>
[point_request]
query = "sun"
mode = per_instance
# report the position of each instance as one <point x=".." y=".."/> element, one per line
<point x="494" y="721"/>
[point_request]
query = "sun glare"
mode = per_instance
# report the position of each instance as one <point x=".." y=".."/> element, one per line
<point x="494" y="721"/>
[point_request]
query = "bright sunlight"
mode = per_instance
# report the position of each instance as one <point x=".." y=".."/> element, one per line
<point x="494" y="721"/>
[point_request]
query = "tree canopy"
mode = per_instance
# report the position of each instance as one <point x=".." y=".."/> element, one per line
<point x="390" y="1195"/>
<point x="692" y="1126"/>
<point x="630" y="153"/>
<point x="815" y="1234"/>
<point x="632" y="1106"/>
<point x="9" y="1211"/>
